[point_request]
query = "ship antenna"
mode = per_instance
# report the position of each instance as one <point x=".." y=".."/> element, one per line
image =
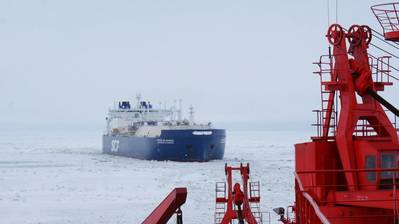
<point x="180" y="110"/>
<point x="191" y="112"/>
<point x="174" y="110"/>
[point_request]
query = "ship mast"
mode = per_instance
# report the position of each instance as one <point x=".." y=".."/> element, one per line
<point x="191" y="113"/>
<point x="179" y="112"/>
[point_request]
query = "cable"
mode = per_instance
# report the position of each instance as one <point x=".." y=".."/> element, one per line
<point x="389" y="66"/>
<point x="384" y="102"/>
<point x="336" y="11"/>
<point x="396" y="46"/>
<point x="382" y="38"/>
<point x="385" y="51"/>
<point x="328" y="12"/>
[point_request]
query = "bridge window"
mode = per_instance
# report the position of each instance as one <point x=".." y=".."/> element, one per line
<point x="370" y="164"/>
<point x="387" y="161"/>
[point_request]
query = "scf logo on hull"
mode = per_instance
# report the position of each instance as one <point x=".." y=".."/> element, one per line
<point x="115" y="145"/>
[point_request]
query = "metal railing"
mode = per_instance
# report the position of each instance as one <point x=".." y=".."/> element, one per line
<point x="387" y="16"/>
<point x="308" y="208"/>
<point x="385" y="181"/>
<point x="220" y="208"/>
<point x="380" y="68"/>
<point x="325" y="72"/>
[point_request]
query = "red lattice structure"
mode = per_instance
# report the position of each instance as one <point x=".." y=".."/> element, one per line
<point x="388" y="16"/>
<point x="238" y="203"/>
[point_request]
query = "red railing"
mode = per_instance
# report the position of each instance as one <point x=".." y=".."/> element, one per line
<point x="383" y="192"/>
<point x="387" y="16"/>
<point x="326" y="122"/>
<point x="309" y="211"/>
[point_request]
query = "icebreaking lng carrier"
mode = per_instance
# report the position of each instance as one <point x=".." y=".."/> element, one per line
<point x="144" y="132"/>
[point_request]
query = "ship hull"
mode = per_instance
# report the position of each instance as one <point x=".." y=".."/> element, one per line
<point x="175" y="145"/>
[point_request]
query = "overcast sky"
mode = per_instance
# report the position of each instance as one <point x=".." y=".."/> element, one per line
<point x="235" y="61"/>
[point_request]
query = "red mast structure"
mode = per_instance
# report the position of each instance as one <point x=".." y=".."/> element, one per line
<point x="239" y="201"/>
<point x="349" y="172"/>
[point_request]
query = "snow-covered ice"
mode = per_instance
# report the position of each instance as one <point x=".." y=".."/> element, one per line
<point x="62" y="177"/>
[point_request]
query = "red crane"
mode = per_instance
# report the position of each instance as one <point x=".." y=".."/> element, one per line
<point x="349" y="172"/>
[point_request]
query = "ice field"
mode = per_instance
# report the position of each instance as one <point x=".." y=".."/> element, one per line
<point x="62" y="177"/>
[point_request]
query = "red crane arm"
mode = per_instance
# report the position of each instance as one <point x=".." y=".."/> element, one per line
<point x="164" y="211"/>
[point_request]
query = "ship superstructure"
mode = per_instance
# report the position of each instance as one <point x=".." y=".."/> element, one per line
<point x="155" y="133"/>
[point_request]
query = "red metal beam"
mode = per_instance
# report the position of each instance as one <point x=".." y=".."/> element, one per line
<point x="237" y="197"/>
<point x="165" y="210"/>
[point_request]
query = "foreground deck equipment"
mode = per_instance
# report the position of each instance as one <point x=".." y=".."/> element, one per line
<point x="238" y="202"/>
<point x="349" y="172"/>
<point x="168" y="207"/>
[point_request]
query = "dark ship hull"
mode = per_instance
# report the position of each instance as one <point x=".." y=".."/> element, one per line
<point x="177" y="145"/>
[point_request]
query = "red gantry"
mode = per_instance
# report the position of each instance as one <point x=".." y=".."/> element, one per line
<point x="349" y="172"/>
<point x="239" y="201"/>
